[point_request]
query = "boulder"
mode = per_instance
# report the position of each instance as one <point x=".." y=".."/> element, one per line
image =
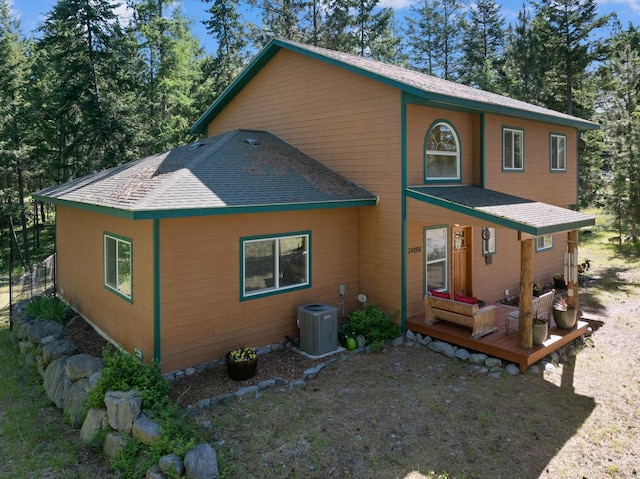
<point x="443" y="348"/>
<point x="114" y="442"/>
<point x="154" y="472"/>
<point x="201" y="462"/>
<point x="56" y="382"/>
<point x="172" y="464"/>
<point x="43" y="328"/>
<point x="73" y="404"/>
<point x="94" y="424"/>
<point x="146" y="430"/>
<point x="123" y="408"/>
<point x="83" y="366"/>
<point x="58" y="349"/>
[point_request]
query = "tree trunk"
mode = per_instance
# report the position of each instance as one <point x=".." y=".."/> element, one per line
<point x="525" y="320"/>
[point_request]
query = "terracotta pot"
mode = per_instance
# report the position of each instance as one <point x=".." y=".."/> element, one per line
<point x="241" y="370"/>
<point x="540" y="331"/>
<point x="565" y="319"/>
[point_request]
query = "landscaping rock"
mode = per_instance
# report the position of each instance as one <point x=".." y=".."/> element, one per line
<point x="247" y="390"/>
<point x="399" y="341"/>
<point x="172" y="464"/>
<point x="43" y="328"/>
<point x="73" y="403"/>
<point x="26" y="347"/>
<point x="123" y="408"/>
<point x="146" y="430"/>
<point x="21" y="327"/>
<point x="56" y="382"/>
<point x="94" y="423"/>
<point x="82" y="366"/>
<point x="57" y="349"/>
<point x="462" y="353"/>
<point x="201" y="462"/>
<point x="114" y="442"/>
<point x="512" y="369"/>
<point x="297" y="384"/>
<point x="154" y="472"/>
<point x="478" y="359"/>
<point x="493" y="363"/>
<point x="410" y="335"/>
<point x="443" y="348"/>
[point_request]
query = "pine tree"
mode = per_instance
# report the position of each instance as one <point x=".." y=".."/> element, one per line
<point x="483" y="41"/>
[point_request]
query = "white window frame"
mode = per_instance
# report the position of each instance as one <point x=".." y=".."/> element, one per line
<point x="558" y="153"/>
<point x="435" y="152"/>
<point x="489" y="246"/>
<point x="445" y="260"/>
<point x="113" y="271"/>
<point x="510" y="139"/>
<point x="275" y="285"/>
<point x="544" y="242"/>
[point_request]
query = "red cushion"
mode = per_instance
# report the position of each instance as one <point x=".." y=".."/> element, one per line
<point x="439" y="294"/>
<point x="465" y="299"/>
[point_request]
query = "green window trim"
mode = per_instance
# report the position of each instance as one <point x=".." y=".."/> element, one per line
<point x="544" y="242"/>
<point x="442" y="143"/>
<point x="118" y="265"/>
<point x="436" y="258"/>
<point x="558" y="152"/>
<point x="512" y="149"/>
<point x="274" y="264"/>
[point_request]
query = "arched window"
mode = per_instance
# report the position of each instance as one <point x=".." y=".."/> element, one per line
<point x="442" y="153"/>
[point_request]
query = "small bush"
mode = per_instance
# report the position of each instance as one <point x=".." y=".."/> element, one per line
<point x="373" y="323"/>
<point x="123" y="372"/>
<point x="48" y="307"/>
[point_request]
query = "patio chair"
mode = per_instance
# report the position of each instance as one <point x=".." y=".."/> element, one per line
<point x="540" y="308"/>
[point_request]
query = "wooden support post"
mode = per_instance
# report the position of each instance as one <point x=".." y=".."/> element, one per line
<point x="525" y="293"/>
<point x="572" y="286"/>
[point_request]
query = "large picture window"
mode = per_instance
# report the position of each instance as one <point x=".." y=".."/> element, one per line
<point x="436" y="247"/>
<point x="512" y="149"/>
<point x="558" y="152"/>
<point x="272" y="264"/>
<point x="442" y="153"/>
<point x="118" y="265"/>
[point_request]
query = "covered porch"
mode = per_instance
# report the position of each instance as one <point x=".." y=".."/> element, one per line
<point x="500" y="344"/>
<point x="530" y="220"/>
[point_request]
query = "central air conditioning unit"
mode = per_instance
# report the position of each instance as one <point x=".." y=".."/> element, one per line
<point x="318" y="325"/>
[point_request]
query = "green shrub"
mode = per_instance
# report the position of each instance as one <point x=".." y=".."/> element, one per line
<point x="373" y="323"/>
<point x="48" y="307"/>
<point x="123" y="372"/>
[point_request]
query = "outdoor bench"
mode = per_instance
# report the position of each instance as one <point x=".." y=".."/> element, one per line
<point x="481" y="320"/>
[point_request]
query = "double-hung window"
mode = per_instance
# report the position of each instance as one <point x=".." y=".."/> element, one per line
<point x="442" y="153"/>
<point x="544" y="242"/>
<point x="558" y="152"/>
<point x="512" y="149"/>
<point x="118" y="265"/>
<point x="436" y="247"/>
<point x="275" y="263"/>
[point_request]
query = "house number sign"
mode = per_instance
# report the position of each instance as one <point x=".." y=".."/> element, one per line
<point x="414" y="249"/>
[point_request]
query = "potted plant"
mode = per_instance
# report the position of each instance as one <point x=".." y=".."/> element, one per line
<point x="558" y="281"/>
<point x="537" y="289"/>
<point x="563" y="314"/>
<point x="540" y="330"/>
<point x="242" y="363"/>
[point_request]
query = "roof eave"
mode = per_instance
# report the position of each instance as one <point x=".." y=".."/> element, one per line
<point x="499" y="220"/>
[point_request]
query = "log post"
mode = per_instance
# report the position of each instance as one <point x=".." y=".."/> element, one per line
<point x="572" y="286"/>
<point x="525" y="292"/>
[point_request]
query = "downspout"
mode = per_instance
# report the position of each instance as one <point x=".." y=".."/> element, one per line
<point x="156" y="291"/>
<point x="403" y="207"/>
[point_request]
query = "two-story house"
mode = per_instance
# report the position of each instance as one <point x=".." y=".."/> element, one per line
<point x="320" y="173"/>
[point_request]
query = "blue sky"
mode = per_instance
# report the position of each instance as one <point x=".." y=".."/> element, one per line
<point x="31" y="13"/>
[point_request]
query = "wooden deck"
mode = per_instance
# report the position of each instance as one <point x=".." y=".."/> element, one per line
<point x="500" y="344"/>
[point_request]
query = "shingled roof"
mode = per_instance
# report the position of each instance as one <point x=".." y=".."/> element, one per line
<point x="422" y="88"/>
<point x="240" y="171"/>
<point x="528" y="216"/>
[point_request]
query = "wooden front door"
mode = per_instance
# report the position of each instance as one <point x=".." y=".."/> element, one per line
<point x="461" y="260"/>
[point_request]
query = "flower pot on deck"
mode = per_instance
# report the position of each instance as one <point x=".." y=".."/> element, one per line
<point x="540" y="331"/>
<point x="565" y="319"/>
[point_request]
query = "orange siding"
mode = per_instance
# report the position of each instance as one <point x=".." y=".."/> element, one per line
<point x="536" y="182"/>
<point x="419" y="119"/>
<point x="202" y="315"/>
<point x="80" y="277"/>
<point x="352" y="125"/>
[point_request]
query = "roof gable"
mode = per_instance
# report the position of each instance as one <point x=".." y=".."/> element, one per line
<point x="238" y="171"/>
<point x="419" y="87"/>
